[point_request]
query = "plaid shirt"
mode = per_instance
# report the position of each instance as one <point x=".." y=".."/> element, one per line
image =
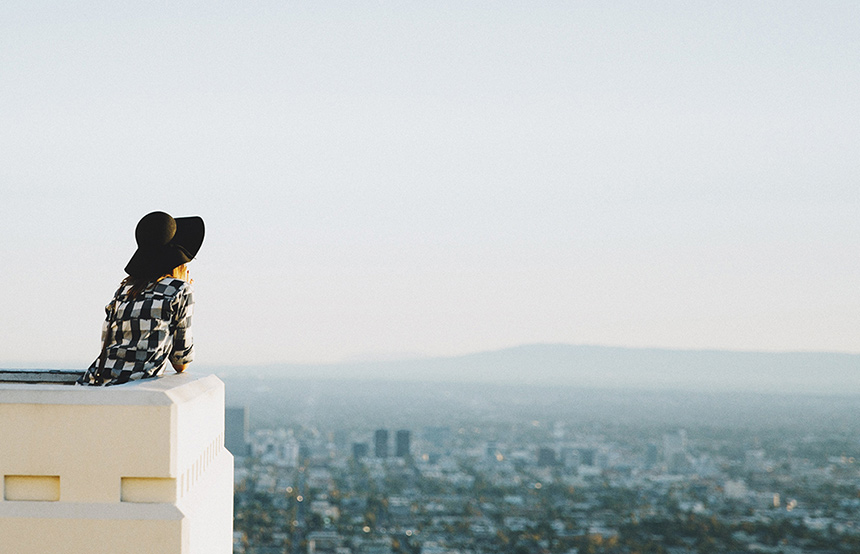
<point x="146" y="332"/>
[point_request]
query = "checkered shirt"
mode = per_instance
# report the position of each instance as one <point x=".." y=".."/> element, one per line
<point x="146" y="332"/>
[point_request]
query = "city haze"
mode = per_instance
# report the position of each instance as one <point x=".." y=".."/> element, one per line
<point x="598" y="367"/>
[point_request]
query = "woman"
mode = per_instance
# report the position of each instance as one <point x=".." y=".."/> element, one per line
<point x="148" y="322"/>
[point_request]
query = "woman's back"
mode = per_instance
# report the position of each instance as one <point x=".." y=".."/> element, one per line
<point x="148" y="321"/>
<point x="141" y="329"/>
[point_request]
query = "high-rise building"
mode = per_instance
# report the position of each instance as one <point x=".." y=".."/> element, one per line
<point x="651" y="456"/>
<point x="401" y="443"/>
<point x="587" y="456"/>
<point x="380" y="443"/>
<point x="675" y="451"/>
<point x="359" y="450"/>
<point x="570" y="457"/>
<point x="135" y="468"/>
<point x="236" y="430"/>
<point x="546" y="457"/>
<point x="286" y="453"/>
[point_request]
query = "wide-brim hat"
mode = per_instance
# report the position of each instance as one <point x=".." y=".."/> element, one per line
<point x="163" y="243"/>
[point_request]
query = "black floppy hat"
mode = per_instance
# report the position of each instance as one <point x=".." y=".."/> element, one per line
<point x="164" y="242"/>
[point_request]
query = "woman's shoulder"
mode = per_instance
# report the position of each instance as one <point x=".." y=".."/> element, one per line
<point x="171" y="286"/>
<point x="172" y="281"/>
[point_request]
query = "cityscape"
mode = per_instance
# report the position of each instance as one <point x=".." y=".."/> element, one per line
<point x="488" y="277"/>
<point x="502" y="483"/>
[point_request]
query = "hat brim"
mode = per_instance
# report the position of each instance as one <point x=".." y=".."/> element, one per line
<point x="181" y="249"/>
<point x="189" y="236"/>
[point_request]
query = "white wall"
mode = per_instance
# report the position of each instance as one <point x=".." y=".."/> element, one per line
<point x="134" y="468"/>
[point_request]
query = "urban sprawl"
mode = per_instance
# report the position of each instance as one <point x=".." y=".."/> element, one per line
<point x="545" y="487"/>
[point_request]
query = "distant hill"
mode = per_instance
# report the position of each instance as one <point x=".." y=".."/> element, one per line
<point x="601" y="367"/>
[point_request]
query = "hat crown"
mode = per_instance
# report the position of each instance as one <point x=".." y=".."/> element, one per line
<point x="164" y="243"/>
<point x="155" y="230"/>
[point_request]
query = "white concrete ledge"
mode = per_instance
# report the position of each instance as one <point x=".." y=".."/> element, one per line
<point x="161" y="391"/>
<point x="92" y="512"/>
<point x="80" y="455"/>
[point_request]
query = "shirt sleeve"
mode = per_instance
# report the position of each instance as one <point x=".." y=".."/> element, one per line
<point x="182" y="351"/>
<point x="110" y="308"/>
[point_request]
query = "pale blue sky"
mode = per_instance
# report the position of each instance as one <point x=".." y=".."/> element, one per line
<point x="388" y="178"/>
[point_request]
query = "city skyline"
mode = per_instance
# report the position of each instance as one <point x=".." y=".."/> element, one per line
<point x="559" y="482"/>
<point x="386" y="181"/>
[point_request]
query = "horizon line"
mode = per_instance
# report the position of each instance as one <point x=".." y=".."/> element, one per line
<point x="383" y="358"/>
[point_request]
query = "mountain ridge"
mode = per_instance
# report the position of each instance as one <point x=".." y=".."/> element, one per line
<point x="597" y="366"/>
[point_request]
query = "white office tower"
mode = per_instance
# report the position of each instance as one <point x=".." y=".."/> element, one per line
<point x="132" y="469"/>
<point x="675" y="451"/>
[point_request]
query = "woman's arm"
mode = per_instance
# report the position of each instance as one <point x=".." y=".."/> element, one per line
<point x="182" y="351"/>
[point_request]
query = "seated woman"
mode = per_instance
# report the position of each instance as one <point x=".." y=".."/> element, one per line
<point x="148" y="322"/>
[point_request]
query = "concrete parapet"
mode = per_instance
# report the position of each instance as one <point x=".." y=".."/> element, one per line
<point x="133" y="468"/>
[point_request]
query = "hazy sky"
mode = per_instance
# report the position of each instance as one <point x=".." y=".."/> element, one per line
<point x="388" y="178"/>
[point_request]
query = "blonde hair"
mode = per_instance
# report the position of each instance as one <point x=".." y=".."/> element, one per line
<point x="178" y="272"/>
<point x="139" y="284"/>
